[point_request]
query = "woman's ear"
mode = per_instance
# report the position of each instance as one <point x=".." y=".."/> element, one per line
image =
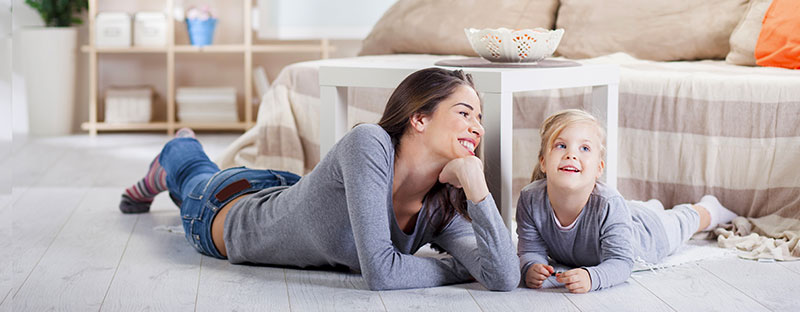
<point x="418" y="122"/>
<point x="541" y="165"/>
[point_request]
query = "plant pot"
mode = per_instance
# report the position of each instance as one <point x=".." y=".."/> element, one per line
<point x="201" y="32"/>
<point x="49" y="56"/>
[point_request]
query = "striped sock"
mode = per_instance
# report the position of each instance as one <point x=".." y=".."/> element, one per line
<point x="184" y="133"/>
<point x="138" y="197"/>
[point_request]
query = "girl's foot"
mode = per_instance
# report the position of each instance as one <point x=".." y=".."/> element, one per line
<point x="138" y="197"/>
<point x="719" y="214"/>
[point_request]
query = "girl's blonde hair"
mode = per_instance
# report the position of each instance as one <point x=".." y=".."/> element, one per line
<point x="552" y="127"/>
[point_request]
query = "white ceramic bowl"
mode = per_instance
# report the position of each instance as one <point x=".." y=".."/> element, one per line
<point x="504" y="45"/>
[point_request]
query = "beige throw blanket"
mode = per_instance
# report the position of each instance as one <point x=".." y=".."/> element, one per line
<point x="768" y="237"/>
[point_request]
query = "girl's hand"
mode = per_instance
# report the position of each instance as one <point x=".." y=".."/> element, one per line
<point x="536" y="275"/>
<point x="577" y="281"/>
<point x="467" y="173"/>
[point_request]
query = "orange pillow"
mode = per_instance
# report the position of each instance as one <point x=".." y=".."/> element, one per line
<point x="779" y="41"/>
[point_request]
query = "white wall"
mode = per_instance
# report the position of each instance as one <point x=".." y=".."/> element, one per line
<point x="301" y="19"/>
<point x="5" y="70"/>
<point x="5" y="96"/>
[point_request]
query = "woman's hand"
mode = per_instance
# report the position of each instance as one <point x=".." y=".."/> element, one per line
<point x="467" y="173"/>
<point x="577" y="280"/>
<point x="536" y="275"/>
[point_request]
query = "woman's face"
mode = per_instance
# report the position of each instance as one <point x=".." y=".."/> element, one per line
<point x="454" y="129"/>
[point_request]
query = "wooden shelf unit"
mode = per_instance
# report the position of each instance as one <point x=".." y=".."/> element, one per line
<point x="247" y="48"/>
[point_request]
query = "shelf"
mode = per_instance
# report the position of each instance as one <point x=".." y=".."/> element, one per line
<point x="214" y="125"/>
<point x="102" y="126"/>
<point x="125" y="126"/>
<point x="230" y="48"/>
<point x="129" y="50"/>
<point x="289" y="48"/>
<point x="227" y="48"/>
<point x="245" y="50"/>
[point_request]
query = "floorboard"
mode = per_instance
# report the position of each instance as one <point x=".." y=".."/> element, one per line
<point x="77" y="268"/>
<point x="159" y="270"/>
<point x="445" y="298"/>
<point x="6" y="257"/>
<point x="521" y="299"/>
<point x="7" y="304"/>
<point x="330" y="291"/>
<point x="618" y="298"/>
<point x="794" y="266"/>
<point x="32" y="161"/>
<point x="227" y="287"/>
<point x="38" y="216"/>
<point x="691" y="288"/>
<point x="5" y="201"/>
<point x="771" y="284"/>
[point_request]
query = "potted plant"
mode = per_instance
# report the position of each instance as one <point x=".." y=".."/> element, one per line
<point x="49" y="65"/>
<point x="60" y="13"/>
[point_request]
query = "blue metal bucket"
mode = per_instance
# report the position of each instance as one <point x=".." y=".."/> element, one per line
<point x="201" y="32"/>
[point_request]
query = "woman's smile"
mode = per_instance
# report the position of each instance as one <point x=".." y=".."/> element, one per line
<point x="469" y="144"/>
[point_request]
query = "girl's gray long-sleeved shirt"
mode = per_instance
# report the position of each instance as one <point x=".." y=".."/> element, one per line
<point x="608" y="234"/>
<point x="341" y="214"/>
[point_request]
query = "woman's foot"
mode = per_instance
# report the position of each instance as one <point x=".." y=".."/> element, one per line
<point x="184" y="133"/>
<point x="138" y="197"/>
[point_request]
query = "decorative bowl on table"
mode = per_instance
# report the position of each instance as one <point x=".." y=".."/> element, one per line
<point x="504" y="45"/>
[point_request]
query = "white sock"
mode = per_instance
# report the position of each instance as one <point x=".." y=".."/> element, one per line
<point x="719" y="214"/>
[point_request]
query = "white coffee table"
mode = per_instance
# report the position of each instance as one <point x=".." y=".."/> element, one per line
<point x="496" y="86"/>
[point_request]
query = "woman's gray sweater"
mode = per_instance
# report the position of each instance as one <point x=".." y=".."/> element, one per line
<point x="341" y="214"/>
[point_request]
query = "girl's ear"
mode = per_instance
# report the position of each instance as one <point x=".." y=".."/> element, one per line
<point x="600" y="171"/>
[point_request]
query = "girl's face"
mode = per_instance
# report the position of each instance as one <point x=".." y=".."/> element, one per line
<point x="454" y="129"/>
<point x="573" y="160"/>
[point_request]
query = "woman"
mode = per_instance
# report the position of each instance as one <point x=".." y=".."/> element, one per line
<point x="381" y="193"/>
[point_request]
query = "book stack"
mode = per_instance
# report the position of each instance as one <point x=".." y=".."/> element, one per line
<point x="206" y="104"/>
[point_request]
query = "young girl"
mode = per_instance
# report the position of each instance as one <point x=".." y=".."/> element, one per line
<point x="566" y="214"/>
<point x="381" y="193"/>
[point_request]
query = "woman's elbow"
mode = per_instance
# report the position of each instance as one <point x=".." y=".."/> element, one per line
<point x="506" y="282"/>
<point x="378" y="282"/>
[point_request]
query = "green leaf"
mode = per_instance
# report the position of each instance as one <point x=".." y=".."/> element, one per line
<point x="59" y="13"/>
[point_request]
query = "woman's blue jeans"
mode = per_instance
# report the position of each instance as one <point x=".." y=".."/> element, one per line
<point x="200" y="189"/>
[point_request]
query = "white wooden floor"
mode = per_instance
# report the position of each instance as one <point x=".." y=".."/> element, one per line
<point x="70" y="249"/>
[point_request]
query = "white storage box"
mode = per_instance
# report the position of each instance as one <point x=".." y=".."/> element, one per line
<point x="216" y="104"/>
<point x="150" y="29"/>
<point x="113" y="29"/>
<point x="128" y="105"/>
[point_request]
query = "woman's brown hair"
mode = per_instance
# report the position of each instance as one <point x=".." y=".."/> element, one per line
<point x="420" y="93"/>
